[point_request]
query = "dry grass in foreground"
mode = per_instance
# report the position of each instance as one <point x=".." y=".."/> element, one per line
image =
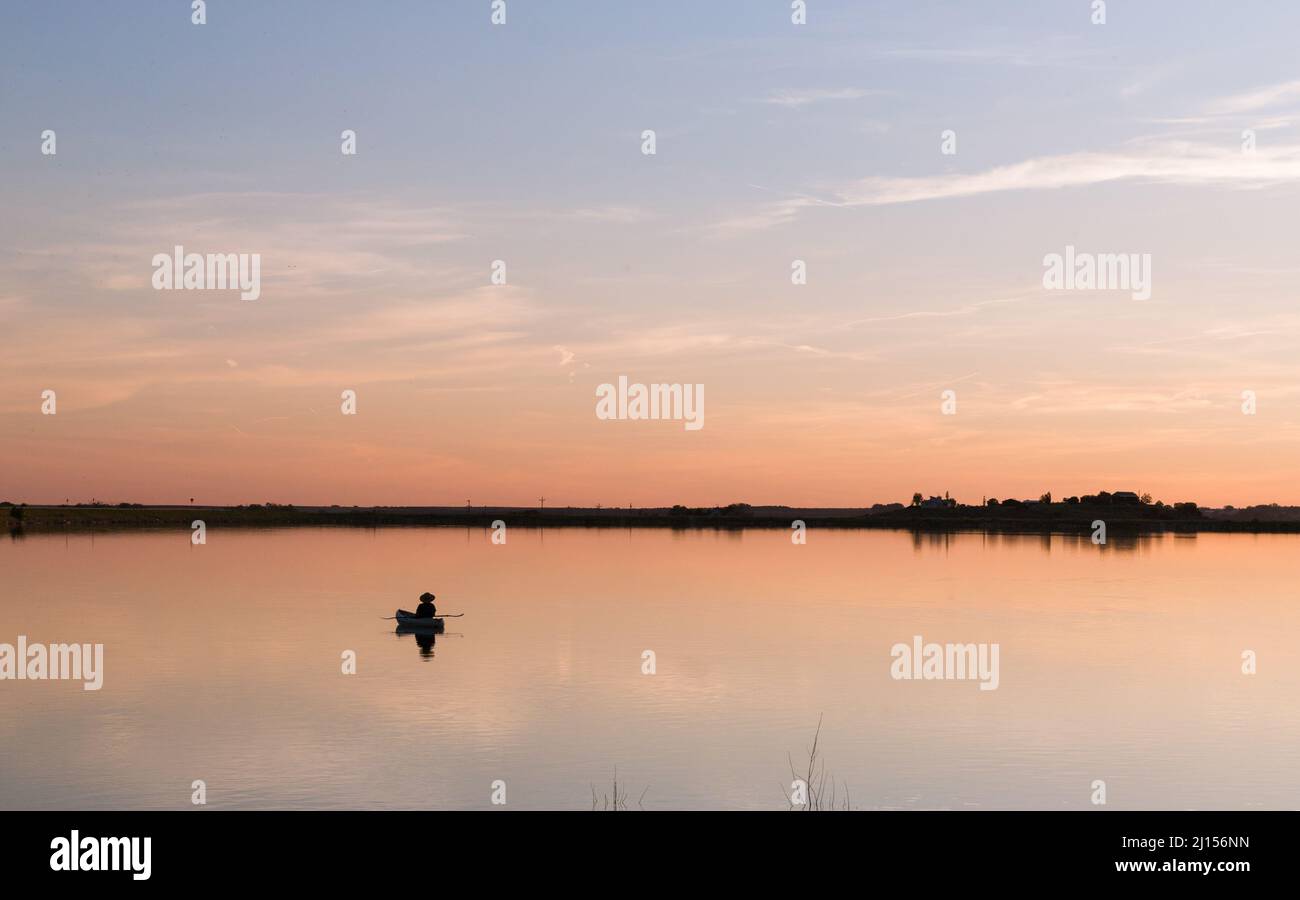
<point x="616" y="800"/>
<point x="819" y="790"/>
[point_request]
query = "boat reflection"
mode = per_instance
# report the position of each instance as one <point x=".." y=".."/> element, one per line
<point x="423" y="629"/>
<point x="425" y="638"/>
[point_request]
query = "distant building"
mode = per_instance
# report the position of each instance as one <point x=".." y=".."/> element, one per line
<point x="1125" y="497"/>
<point x="939" y="503"/>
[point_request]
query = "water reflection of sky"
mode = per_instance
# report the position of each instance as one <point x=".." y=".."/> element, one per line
<point x="223" y="664"/>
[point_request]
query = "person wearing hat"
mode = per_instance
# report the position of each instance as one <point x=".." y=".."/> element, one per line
<point x="426" y="609"/>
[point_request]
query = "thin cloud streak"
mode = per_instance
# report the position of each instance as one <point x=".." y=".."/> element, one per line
<point x="806" y="97"/>
<point x="1256" y="99"/>
<point x="1175" y="164"/>
<point x="1170" y="163"/>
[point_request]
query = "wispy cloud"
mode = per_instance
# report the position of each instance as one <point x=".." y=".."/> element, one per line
<point x="1174" y="163"/>
<point x="1053" y="53"/>
<point x="1177" y="163"/>
<point x="806" y="97"/>
<point x="1147" y="79"/>
<point x="967" y="310"/>
<point x="1253" y="100"/>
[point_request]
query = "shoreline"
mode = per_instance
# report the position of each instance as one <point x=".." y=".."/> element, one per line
<point x="1056" y="519"/>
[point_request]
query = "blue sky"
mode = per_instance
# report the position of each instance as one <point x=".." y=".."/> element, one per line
<point x="258" y="93"/>
<point x="775" y="142"/>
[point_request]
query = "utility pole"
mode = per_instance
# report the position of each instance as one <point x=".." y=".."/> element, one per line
<point x="542" y="500"/>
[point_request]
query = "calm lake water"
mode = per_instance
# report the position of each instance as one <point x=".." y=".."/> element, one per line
<point x="223" y="663"/>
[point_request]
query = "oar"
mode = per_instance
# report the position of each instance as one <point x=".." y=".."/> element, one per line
<point x="446" y="616"/>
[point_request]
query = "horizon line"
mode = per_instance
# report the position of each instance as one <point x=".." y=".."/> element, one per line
<point x="602" y="507"/>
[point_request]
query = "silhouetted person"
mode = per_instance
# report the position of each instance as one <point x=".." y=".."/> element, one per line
<point x="426" y="609"/>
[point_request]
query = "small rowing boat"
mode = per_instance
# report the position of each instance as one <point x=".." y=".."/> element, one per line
<point x="411" y="620"/>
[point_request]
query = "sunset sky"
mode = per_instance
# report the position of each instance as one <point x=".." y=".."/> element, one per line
<point x="522" y="142"/>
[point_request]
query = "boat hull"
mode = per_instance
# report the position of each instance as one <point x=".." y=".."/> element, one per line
<point x="406" y="620"/>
